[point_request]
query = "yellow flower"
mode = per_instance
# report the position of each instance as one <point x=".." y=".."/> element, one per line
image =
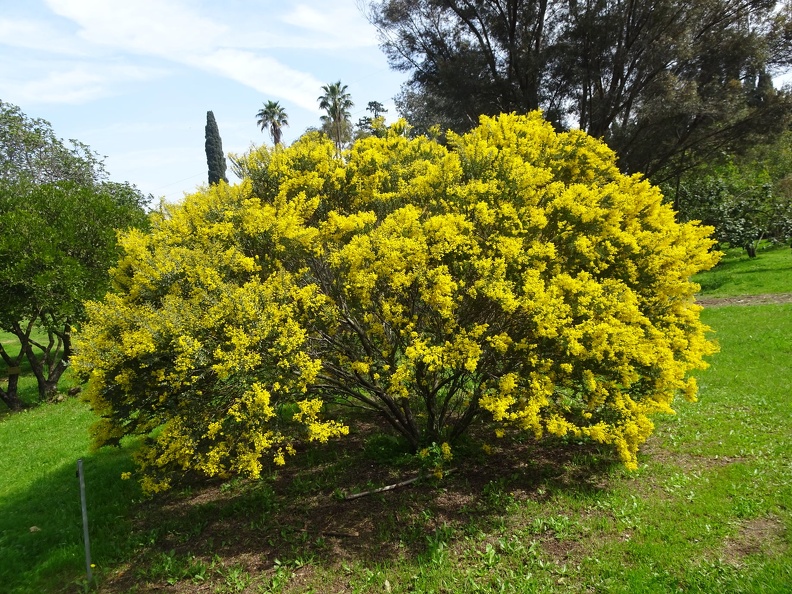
<point x="512" y="269"/>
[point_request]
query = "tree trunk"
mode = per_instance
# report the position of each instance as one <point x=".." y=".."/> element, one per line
<point x="10" y="396"/>
<point x="49" y="368"/>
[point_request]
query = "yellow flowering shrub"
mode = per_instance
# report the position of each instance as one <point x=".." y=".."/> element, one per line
<point x="513" y="276"/>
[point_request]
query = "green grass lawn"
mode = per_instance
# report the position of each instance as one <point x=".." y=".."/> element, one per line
<point x="737" y="274"/>
<point x="709" y="510"/>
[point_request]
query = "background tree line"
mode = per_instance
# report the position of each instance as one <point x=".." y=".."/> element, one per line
<point x="683" y="92"/>
<point x="666" y="84"/>
<point x="676" y="88"/>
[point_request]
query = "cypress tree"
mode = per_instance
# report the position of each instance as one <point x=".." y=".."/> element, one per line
<point x="215" y="158"/>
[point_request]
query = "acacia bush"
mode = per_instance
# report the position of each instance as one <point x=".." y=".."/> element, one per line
<point x="514" y="277"/>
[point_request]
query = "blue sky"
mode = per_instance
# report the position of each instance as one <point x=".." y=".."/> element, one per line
<point x="134" y="79"/>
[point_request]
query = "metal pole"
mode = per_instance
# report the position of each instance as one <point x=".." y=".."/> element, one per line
<point x="84" y="519"/>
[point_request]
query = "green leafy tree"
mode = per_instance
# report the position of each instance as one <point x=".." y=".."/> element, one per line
<point x="514" y="278"/>
<point x="273" y="117"/>
<point x="215" y="158"/>
<point x="29" y="148"/>
<point x="746" y="200"/>
<point x="58" y="217"/>
<point x="336" y="102"/>
<point x="666" y="84"/>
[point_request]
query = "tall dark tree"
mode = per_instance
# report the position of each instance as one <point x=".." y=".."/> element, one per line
<point x="666" y="83"/>
<point x="215" y="158"/>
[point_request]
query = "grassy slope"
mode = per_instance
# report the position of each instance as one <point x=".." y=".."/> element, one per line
<point x="709" y="510"/>
<point x="737" y="274"/>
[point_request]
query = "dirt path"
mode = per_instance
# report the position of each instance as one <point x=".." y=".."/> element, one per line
<point x="769" y="298"/>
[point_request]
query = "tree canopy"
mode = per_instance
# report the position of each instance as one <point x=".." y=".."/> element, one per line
<point x="374" y="123"/>
<point x="29" y="148"/>
<point x="273" y="117"/>
<point x="746" y="199"/>
<point x="58" y="221"/>
<point x="666" y="84"/>
<point x="513" y="277"/>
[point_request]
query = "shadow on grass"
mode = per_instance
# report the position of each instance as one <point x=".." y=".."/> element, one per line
<point x="41" y="539"/>
<point x="297" y="515"/>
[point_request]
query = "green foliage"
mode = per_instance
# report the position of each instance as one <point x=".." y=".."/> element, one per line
<point x="336" y="102"/>
<point x="58" y="241"/>
<point x="665" y="83"/>
<point x="215" y="158"/>
<point x="58" y="221"/>
<point x="373" y="125"/>
<point x="29" y="148"/>
<point x="746" y="200"/>
<point x="516" y="276"/>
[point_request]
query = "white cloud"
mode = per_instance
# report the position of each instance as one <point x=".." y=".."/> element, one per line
<point x="341" y="25"/>
<point x="78" y="83"/>
<point x="264" y="74"/>
<point x="171" y="30"/>
<point x="73" y="52"/>
<point x="37" y="35"/>
<point x="158" y="27"/>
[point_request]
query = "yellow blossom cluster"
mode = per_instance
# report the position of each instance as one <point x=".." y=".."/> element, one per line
<point x="514" y="275"/>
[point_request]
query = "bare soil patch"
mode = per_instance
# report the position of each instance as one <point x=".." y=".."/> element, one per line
<point x="763" y="536"/>
<point x="654" y="449"/>
<point x="764" y="299"/>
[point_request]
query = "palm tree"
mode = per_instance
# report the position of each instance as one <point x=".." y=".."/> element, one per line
<point x="336" y="102"/>
<point x="274" y="117"/>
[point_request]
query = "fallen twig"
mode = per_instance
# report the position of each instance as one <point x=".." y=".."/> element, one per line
<point x="390" y="487"/>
